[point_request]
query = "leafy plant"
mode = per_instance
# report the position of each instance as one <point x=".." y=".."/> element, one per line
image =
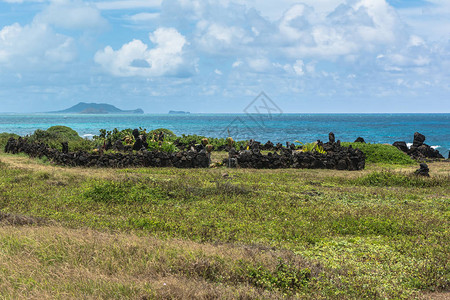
<point x="312" y="147"/>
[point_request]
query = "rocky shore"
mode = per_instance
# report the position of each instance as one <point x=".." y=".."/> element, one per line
<point x="419" y="150"/>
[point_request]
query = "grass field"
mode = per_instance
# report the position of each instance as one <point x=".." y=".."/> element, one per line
<point x="223" y="233"/>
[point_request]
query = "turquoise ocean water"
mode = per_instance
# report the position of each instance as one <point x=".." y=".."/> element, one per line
<point x="374" y="128"/>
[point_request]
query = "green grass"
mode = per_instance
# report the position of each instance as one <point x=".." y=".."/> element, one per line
<point x="378" y="153"/>
<point x="311" y="233"/>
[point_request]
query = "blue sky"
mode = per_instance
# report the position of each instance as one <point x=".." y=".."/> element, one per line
<point x="217" y="55"/>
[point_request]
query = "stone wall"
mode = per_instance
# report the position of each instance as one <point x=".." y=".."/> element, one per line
<point x="185" y="159"/>
<point x="337" y="157"/>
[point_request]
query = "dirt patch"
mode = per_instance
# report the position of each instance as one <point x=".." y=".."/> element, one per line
<point x="19" y="220"/>
<point x="436" y="296"/>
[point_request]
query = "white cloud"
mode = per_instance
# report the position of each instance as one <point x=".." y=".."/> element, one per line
<point x="431" y="21"/>
<point x="136" y="59"/>
<point x="34" y="45"/>
<point x="237" y="64"/>
<point x="361" y="27"/>
<point x="143" y="17"/>
<point x="215" y="38"/>
<point x="72" y="15"/>
<point x="299" y="67"/>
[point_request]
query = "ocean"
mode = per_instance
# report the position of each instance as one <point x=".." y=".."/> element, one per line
<point x="374" y="128"/>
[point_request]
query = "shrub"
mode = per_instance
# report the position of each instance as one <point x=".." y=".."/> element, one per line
<point x="64" y="132"/>
<point x="378" y="153"/>
<point x="168" y="134"/>
<point x="4" y="137"/>
<point x="55" y="135"/>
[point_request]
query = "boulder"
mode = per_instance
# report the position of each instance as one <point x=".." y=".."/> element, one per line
<point x="268" y="146"/>
<point x="331" y="138"/>
<point x="401" y="146"/>
<point x="136" y="133"/>
<point x="419" y="139"/>
<point x="138" y="144"/>
<point x="423" y="170"/>
<point x="360" y="140"/>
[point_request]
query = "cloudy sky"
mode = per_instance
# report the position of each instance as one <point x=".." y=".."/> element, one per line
<point x="217" y="55"/>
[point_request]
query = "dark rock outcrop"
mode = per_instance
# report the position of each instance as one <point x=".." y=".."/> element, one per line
<point x="419" y="150"/>
<point x="419" y="139"/>
<point x="138" y="144"/>
<point x="401" y="146"/>
<point x="331" y="138"/>
<point x="360" y="140"/>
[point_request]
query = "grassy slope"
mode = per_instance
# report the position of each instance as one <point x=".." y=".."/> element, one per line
<point x="177" y="233"/>
<point x="381" y="153"/>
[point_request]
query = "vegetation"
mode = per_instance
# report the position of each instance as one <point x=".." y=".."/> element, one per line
<point x="170" y="233"/>
<point x="56" y="135"/>
<point x="312" y="147"/>
<point x="379" y="153"/>
<point x="4" y="137"/>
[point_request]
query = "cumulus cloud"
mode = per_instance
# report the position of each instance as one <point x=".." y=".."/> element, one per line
<point x="68" y="14"/>
<point x="135" y="58"/>
<point x="34" y="45"/>
<point x="40" y="45"/>
<point x="349" y="30"/>
<point x="357" y="27"/>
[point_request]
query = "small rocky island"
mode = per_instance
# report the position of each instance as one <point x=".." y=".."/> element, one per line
<point x="96" y="108"/>
<point x="178" y="112"/>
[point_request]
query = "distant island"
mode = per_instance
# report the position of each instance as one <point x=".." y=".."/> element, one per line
<point x="96" y="108"/>
<point x="178" y="112"/>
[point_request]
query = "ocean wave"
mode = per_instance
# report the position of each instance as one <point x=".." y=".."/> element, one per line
<point x="434" y="147"/>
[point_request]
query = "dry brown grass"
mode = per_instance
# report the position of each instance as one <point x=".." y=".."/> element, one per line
<point x="51" y="262"/>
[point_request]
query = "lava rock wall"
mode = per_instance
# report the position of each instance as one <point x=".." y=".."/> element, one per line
<point x="337" y="157"/>
<point x="185" y="159"/>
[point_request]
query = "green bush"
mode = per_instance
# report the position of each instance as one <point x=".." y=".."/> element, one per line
<point x="168" y="134"/>
<point x="64" y="133"/>
<point x="4" y="137"/>
<point x="56" y="135"/>
<point x="378" y="153"/>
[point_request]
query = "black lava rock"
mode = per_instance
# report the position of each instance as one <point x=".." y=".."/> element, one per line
<point x="401" y="146"/>
<point x="136" y="133"/>
<point x="419" y="139"/>
<point x="331" y="138"/>
<point x="423" y="170"/>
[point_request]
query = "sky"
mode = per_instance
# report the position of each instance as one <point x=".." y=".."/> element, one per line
<point x="216" y="56"/>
